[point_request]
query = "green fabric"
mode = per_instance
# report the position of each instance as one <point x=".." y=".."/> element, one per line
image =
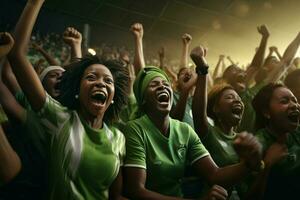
<point x="142" y="80"/>
<point x="248" y="120"/>
<point x="188" y="115"/>
<point x="83" y="161"/>
<point x="220" y="147"/>
<point x="164" y="158"/>
<point x="283" y="181"/>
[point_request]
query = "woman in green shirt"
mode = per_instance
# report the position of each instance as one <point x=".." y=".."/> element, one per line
<point x="278" y="115"/>
<point x="159" y="147"/>
<point x="85" y="150"/>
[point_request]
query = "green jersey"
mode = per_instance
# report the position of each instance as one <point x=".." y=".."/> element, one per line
<point x="163" y="158"/>
<point x="83" y="161"/>
<point x="283" y="180"/>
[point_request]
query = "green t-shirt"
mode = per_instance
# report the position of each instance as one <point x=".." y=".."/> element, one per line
<point x="283" y="181"/>
<point x="188" y="115"/>
<point x="163" y="158"/>
<point x="248" y="120"/>
<point x="83" y="161"/>
<point x="220" y="147"/>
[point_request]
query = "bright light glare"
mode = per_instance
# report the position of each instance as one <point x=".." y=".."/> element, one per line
<point x="92" y="51"/>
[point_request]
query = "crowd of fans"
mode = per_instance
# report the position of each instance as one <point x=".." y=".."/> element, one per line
<point x="112" y="126"/>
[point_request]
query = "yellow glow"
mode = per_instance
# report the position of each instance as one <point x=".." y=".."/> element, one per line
<point x="92" y="51"/>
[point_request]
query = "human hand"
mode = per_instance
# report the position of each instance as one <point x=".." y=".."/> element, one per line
<point x="216" y="192"/>
<point x="198" y="56"/>
<point x="221" y="57"/>
<point x="249" y="150"/>
<point x="263" y="30"/>
<point x="6" y="43"/>
<point x="137" y="30"/>
<point x="186" y="80"/>
<point x="72" y="37"/>
<point x="186" y="39"/>
<point x="273" y="49"/>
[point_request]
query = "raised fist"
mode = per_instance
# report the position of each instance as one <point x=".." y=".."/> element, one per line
<point x="6" y="43"/>
<point x="186" y="38"/>
<point x="263" y="30"/>
<point x="198" y="56"/>
<point x="137" y="30"/>
<point x="72" y="37"/>
<point x="273" y="48"/>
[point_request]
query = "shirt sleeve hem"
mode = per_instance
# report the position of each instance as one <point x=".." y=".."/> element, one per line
<point x="134" y="165"/>
<point x="202" y="156"/>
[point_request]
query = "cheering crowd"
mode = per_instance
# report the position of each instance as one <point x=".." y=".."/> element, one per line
<point x="76" y="126"/>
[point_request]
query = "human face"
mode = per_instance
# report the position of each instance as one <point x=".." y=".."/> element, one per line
<point x="283" y="110"/>
<point x="158" y="97"/>
<point x="50" y="82"/>
<point x="96" y="90"/>
<point x="229" y="108"/>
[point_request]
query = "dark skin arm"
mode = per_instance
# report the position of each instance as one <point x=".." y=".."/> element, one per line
<point x="199" y="104"/>
<point x="45" y="54"/>
<point x="22" y="68"/>
<point x="138" y="33"/>
<point x="258" y="58"/>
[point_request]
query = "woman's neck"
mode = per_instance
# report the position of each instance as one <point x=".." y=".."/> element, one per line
<point x="95" y="122"/>
<point x="161" y="122"/>
<point x="227" y="129"/>
<point x="278" y="134"/>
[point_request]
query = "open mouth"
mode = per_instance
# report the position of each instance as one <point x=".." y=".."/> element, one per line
<point x="237" y="109"/>
<point x="99" y="97"/>
<point x="163" y="97"/>
<point x="294" y="116"/>
<point x="187" y="77"/>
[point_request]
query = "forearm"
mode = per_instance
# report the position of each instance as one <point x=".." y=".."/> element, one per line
<point x="199" y="105"/>
<point x="48" y="57"/>
<point x="23" y="70"/>
<point x="139" y="61"/>
<point x="278" y="55"/>
<point x="9" y="78"/>
<point x="10" y="163"/>
<point x="217" y="73"/>
<point x="259" y="56"/>
<point x="184" y="56"/>
<point x="291" y="50"/>
<point x="76" y="52"/>
<point x="178" y="110"/>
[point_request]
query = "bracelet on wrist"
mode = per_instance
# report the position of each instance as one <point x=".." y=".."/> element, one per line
<point x="202" y="70"/>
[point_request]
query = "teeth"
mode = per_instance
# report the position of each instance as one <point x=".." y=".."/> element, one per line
<point x="163" y="97"/>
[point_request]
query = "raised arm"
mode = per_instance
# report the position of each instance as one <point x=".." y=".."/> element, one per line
<point x="10" y="163"/>
<point x="186" y="81"/>
<point x="186" y="40"/>
<point x="7" y="100"/>
<point x="287" y="57"/>
<point x="219" y="67"/>
<point x="138" y="32"/>
<point x="259" y="56"/>
<point x="45" y="54"/>
<point x="199" y="103"/>
<point x="161" y="56"/>
<point x="22" y="68"/>
<point x="73" y="38"/>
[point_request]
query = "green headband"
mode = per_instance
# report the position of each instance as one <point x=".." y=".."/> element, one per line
<point x="143" y="79"/>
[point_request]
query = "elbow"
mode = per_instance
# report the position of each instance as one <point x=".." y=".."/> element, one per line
<point x="10" y="172"/>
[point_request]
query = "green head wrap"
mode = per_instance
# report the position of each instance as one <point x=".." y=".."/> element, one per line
<point x="143" y="79"/>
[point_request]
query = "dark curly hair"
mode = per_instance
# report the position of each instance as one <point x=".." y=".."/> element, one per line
<point x="261" y="102"/>
<point x="70" y="84"/>
<point x="213" y="98"/>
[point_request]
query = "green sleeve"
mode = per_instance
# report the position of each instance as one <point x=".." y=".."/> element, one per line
<point x="196" y="149"/>
<point x="53" y="115"/>
<point x="135" y="148"/>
